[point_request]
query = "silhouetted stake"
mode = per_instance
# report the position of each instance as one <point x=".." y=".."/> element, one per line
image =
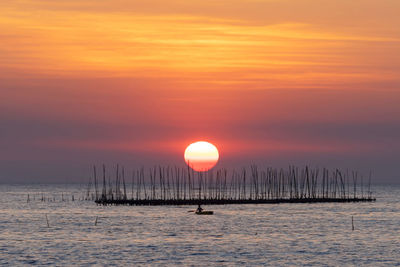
<point x="355" y="176"/>
<point x="104" y="190"/>
<point x="369" y="185"/>
<point x="110" y="192"/>
<point x="95" y="182"/>
<point x="352" y="223"/>
<point x="117" y="183"/>
<point x="88" y="188"/>
<point x="244" y="183"/>
<point x="95" y="222"/>
<point x="144" y="184"/>
<point x="123" y="182"/>
<point x="47" y="221"/>
<point x="133" y="181"/>
<point x="177" y="186"/>
<point x="362" y="186"/>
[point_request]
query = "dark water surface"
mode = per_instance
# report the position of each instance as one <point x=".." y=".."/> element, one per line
<point x="250" y="235"/>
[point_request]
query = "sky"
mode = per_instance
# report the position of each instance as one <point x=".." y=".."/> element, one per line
<point x="273" y="83"/>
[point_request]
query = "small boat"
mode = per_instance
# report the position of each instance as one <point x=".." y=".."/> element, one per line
<point x="204" y="212"/>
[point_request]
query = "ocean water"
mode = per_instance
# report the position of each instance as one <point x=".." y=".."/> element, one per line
<point x="248" y="235"/>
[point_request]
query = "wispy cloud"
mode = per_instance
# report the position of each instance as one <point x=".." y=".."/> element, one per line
<point x="77" y="42"/>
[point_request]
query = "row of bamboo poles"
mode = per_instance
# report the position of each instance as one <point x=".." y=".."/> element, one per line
<point x="174" y="183"/>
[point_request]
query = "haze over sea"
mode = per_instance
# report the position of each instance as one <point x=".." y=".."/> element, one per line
<point x="250" y="235"/>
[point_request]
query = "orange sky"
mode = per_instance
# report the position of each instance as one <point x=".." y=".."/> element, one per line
<point x="274" y="81"/>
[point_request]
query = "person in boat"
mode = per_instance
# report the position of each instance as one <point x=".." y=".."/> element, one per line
<point x="199" y="209"/>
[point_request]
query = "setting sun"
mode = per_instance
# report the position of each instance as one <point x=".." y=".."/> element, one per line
<point x="201" y="156"/>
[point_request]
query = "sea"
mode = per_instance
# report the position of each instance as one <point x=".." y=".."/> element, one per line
<point x="55" y="226"/>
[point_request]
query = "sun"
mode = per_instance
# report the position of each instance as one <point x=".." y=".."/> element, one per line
<point x="201" y="156"/>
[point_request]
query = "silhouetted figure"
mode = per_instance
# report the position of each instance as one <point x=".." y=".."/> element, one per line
<point x="199" y="209"/>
